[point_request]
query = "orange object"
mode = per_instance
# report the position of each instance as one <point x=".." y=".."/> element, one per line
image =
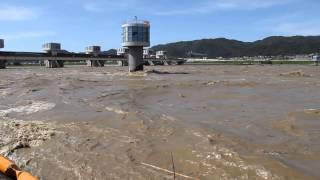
<point x="10" y="169"/>
<point x="24" y="176"/>
<point x="5" y="165"/>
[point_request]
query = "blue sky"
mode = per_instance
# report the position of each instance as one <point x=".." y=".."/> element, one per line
<point x="26" y="25"/>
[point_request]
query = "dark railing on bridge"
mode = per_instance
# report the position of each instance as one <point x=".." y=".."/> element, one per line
<point x="25" y="56"/>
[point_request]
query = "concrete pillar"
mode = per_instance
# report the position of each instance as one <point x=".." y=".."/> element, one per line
<point x="150" y="63"/>
<point x="3" y="64"/>
<point x="135" y="58"/>
<point x="95" y="63"/>
<point x="53" y="49"/>
<point x="54" y="63"/>
<point x="41" y="63"/>
<point x="123" y="63"/>
<point x="166" y="63"/>
<point x="95" y="51"/>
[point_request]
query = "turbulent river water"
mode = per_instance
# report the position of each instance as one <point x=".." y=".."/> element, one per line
<point x="211" y="122"/>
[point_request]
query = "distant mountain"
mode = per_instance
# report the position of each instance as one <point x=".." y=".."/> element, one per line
<point x="221" y="47"/>
<point x="109" y="52"/>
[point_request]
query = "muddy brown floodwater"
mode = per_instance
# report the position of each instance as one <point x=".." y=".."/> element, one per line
<point x="219" y="122"/>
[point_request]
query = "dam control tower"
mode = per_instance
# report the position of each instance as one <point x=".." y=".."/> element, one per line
<point x="135" y="36"/>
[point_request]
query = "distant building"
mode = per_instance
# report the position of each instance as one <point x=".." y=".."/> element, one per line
<point x="148" y="53"/>
<point x="195" y="55"/>
<point x="161" y="54"/>
<point x="122" y="51"/>
<point x="299" y="57"/>
<point x="316" y="58"/>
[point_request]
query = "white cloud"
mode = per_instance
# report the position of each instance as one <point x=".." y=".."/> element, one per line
<point x="209" y="6"/>
<point x="297" y="23"/>
<point x="183" y="12"/>
<point x="99" y="6"/>
<point x="17" y="13"/>
<point x="92" y="7"/>
<point x="308" y="28"/>
<point x="27" y="35"/>
<point x="248" y="4"/>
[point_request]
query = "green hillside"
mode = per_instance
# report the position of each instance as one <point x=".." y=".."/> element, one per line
<point x="221" y="47"/>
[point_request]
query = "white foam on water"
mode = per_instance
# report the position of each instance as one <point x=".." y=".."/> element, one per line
<point x="4" y="92"/>
<point x="167" y="117"/>
<point x="226" y="158"/>
<point x="17" y="134"/>
<point x="239" y="79"/>
<point x="263" y="174"/>
<point x="115" y="110"/>
<point x="312" y="111"/>
<point x="33" y="107"/>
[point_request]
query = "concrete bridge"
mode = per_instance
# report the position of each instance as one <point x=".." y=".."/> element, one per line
<point x="57" y="60"/>
<point x="54" y="57"/>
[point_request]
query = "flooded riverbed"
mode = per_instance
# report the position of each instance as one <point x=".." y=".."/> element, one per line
<point x="218" y="122"/>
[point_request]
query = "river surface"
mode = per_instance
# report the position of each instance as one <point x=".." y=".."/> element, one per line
<point x="210" y="122"/>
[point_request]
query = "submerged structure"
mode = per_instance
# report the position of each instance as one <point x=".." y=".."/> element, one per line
<point x="135" y="36"/>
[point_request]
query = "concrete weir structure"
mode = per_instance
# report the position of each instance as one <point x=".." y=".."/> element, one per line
<point x="3" y="62"/>
<point x="135" y="36"/>
<point x="54" y="49"/>
<point x="95" y="51"/>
